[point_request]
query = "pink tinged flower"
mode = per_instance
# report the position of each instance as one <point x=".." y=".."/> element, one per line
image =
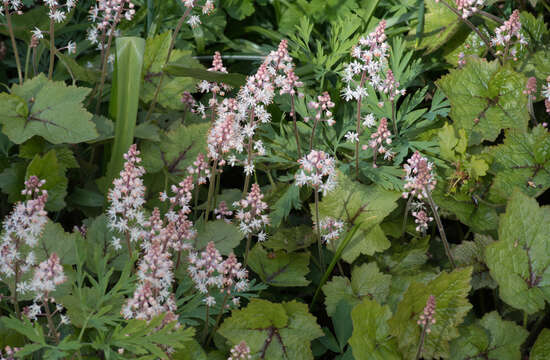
<point x="241" y="351"/>
<point x="322" y="107"/>
<point x="427" y="318"/>
<point x="531" y="87"/>
<point x="317" y="169"/>
<point x="47" y="276"/>
<point x="352" y="137"/>
<point x="251" y="212"/>
<point x="419" y="176"/>
<point x="469" y="7"/>
<point x="331" y="229"/>
<point x="222" y="212"/>
<point x="508" y="35"/>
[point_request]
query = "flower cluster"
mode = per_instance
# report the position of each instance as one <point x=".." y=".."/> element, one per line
<point x="469" y="7"/>
<point x="531" y="87"/>
<point x="213" y="87"/>
<point x="546" y="94"/>
<point x="427" y="318"/>
<point x="331" y="229"/>
<point x="200" y="169"/>
<point x="209" y="270"/>
<point x="9" y="353"/>
<point x="317" y="170"/>
<point x="23" y="226"/>
<point x="226" y="133"/>
<point x="419" y="181"/>
<point x="47" y="276"/>
<point x="125" y="213"/>
<point x="251" y="213"/>
<point x="105" y="15"/>
<point x="222" y="212"/>
<point x="241" y="351"/>
<point x="508" y="36"/>
<point x="379" y="138"/>
<point x="58" y="12"/>
<point x="206" y="8"/>
<point x="390" y="86"/>
<point x="14" y="5"/>
<point x="322" y="108"/>
<point x="371" y="54"/>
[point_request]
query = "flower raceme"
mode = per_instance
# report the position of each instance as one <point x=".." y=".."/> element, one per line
<point x="251" y="213"/>
<point x="322" y="107"/>
<point x="47" y="276"/>
<point x="13" y="6"/>
<point x="508" y="37"/>
<point x="241" y="351"/>
<point x="427" y="317"/>
<point x="105" y="16"/>
<point x="331" y="229"/>
<point x="317" y="169"/>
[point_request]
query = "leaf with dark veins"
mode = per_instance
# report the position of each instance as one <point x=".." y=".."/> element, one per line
<point x="49" y="109"/>
<point x="520" y="260"/>
<point x="280" y="268"/>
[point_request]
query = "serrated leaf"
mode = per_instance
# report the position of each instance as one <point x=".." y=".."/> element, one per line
<point x="51" y="109"/>
<point x="367" y="282"/>
<point x="225" y="236"/>
<point x="291" y="238"/>
<point x="472" y="253"/>
<point x="407" y="257"/>
<point x="520" y="260"/>
<point x="371" y="338"/>
<point x="48" y="168"/>
<point x="486" y="98"/>
<point x="521" y="162"/>
<point x="280" y="268"/>
<point x="156" y="50"/>
<point x="177" y="149"/>
<point x="290" y="199"/>
<point x="451" y="292"/>
<point x="440" y="24"/>
<point x="273" y="330"/>
<point x="541" y="348"/>
<point x="491" y="338"/>
<point x="360" y="204"/>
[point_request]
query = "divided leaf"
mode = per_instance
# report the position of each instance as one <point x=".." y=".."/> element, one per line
<point x="451" y="292"/>
<point x="46" y="108"/>
<point x="273" y="331"/>
<point x="486" y="98"/>
<point x="520" y="260"/>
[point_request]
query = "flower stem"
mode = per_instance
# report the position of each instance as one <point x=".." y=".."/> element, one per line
<point x="293" y="111"/>
<point x="218" y="319"/>
<point x="407" y="208"/>
<point x="211" y="189"/>
<point x="441" y="229"/>
<point x="248" y="242"/>
<point x="319" y="245"/>
<point x="313" y="134"/>
<point x="421" y="343"/>
<point x="490" y="16"/>
<point x="394" y="118"/>
<point x="13" y="42"/>
<point x="172" y="43"/>
<point x="358" y="124"/>
<point x="205" y="331"/>
<point x="49" y="316"/>
<point x="52" y="48"/>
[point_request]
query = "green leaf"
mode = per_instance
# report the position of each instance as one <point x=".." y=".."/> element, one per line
<point x="486" y="98"/>
<point x="48" y="168"/>
<point x="521" y="162"/>
<point x="291" y="238"/>
<point x="156" y="51"/>
<point x="371" y="338"/>
<point x="361" y="204"/>
<point x="290" y="199"/>
<point x="472" y="253"/>
<point x="367" y="282"/>
<point x="451" y="292"/>
<point x="280" y="268"/>
<point x="273" y="331"/>
<point x="520" y="260"/>
<point x="49" y="109"/>
<point x="56" y="240"/>
<point x="489" y="338"/>
<point x="440" y="24"/>
<point x="12" y="181"/>
<point x="225" y="236"/>
<point x="238" y="9"/>
<point x="177" y="150"/>
<point x="541" y="348"/>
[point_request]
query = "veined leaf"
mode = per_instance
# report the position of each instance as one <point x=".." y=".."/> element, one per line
<point x="46" y="108"/>
<point x="520" y="260"/>
<point x="541" y="348"/>
<point x="280" y="268"/>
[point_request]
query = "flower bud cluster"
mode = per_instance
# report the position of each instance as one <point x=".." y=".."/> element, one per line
<point x="125" y="214"/>
<point x="209" y="270"/>
<point x="531" y="87"/>
<point x="241" y="351"/>
<point x="47" y="276"/>
<point x="251" y="213"/>
<point x="213" y="87"/>
<point x="508" y="37"/>
<point x="427" y="318"/>
<point x="23" y="226"/>
<point x="322" y="107"/>
<point x="469" y="7"/>
<point x="200" y="169"/>
<point x="317" y="169"/>
<point x="419" y="181"/>
<point x="331" y="229"/>
<point x="380" y="137"/>
<point x="222" y="212"/>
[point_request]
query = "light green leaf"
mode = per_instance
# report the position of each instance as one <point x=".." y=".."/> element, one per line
<point x="371" y="338"/>
<point x="490" y="338"/>
<point x="367" y="282"/>
<point x="520" y="260"/>
<point x="48" y="168"/>
<point x="291" y="238"/>
<point x="486" y="98"/>
<point x="440" y="24"/>
<point x="360" y="204"/>
<point x="225" y="236"/>
<point x="156" y="50"/>
<point x="280" y="268"/>
<point x="56" y="240"/>
<point x="472" y="253"/>
<point x="49" y="109"/>
<point x="541" y="348"/>
<point x="521" y="162"/>
<point x="451" y="292"/>
<point x="273" y="330"/>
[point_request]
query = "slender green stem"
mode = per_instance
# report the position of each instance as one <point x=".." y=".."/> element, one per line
<point x="525" y="320"/>
<point x="318" y="228"/>
<point x="421" y="342"/>
<point x="247" y="250"/>
<point x="13" y="42"/>
<point x="205" y="331"/>
<point x="105" y="60"/>
<point x="407" y="208"/>
<point x="490" y="16"/>
<point x="27" y="61"/>
<point x="218" y="318"/>
<point x="441" y="228"/>
<point x="52" y="47"/>
<point x="49" y="317"/>
<point x="312" y="134"/>
<point x="211" y="188"/>
<point x="358" y="123"/>
<point x="172" y="43"/>
<point x="394" y="118"/>
<point x="296" y="135"/>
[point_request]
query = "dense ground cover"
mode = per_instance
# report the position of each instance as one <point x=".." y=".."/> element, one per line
<point x="253" y="179"/>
